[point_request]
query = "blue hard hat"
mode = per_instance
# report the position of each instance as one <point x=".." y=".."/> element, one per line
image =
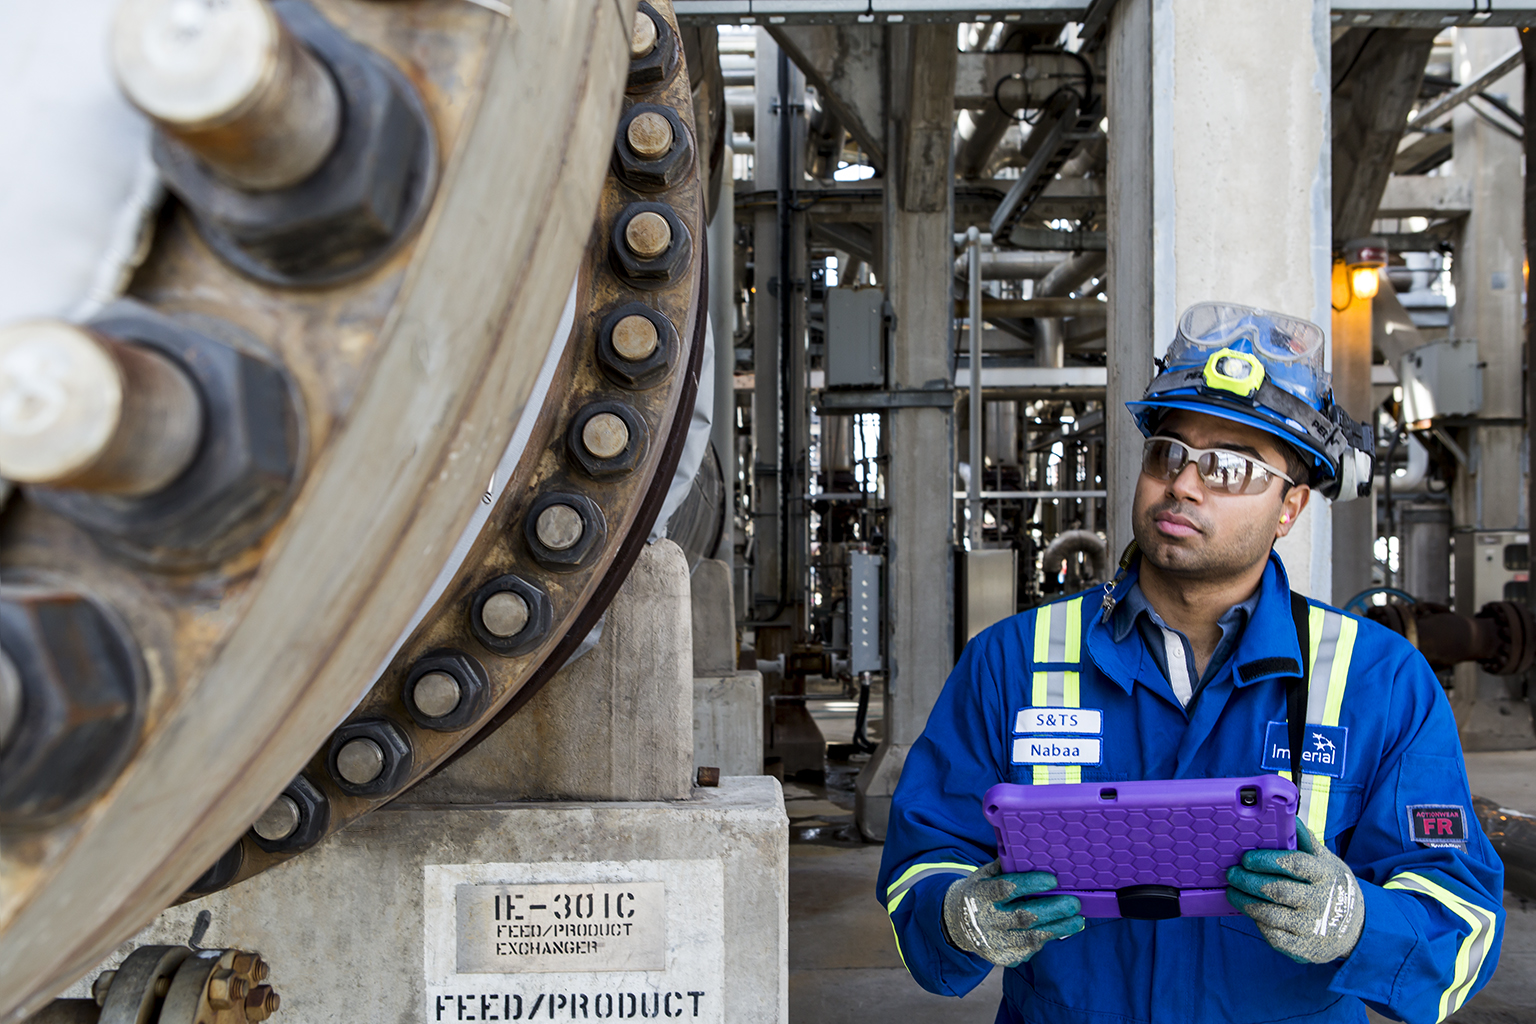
<point x="1264" y="370"/>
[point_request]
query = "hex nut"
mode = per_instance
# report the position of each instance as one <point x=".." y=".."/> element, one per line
<point x="355" y="208"/>
<point x="261" y="1003"/>
<point x="581" y="551"/>
<point x="660" y="61"/>
<point x="620" y="334"/>
<point x="82" y="702"/>
<point x="642" y="269"/>
<point x="540" y="615"/>
<point x="220" y="873"/>
<point x="394" y="753"/>
<point x="225" y="989"/>
<point x="242" y="475"/>
<point x="607" y="439"/>
<point x="655" y="148"/>
<point x="466" y="675"/>
<point x="314" y="817"/>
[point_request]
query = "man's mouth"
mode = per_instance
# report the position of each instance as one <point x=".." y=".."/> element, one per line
<point x="1171" y="525"/>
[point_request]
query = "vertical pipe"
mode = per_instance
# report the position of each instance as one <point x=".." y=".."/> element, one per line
<point x="973" y="489"/>
<point x="722" y="316"/>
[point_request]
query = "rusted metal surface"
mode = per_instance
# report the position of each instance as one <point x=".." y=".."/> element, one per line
<point x="408" y="383"/>
<point x="1501" y="636"/>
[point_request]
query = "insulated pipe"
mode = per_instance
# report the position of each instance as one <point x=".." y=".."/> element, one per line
<point x="1067" y="277"/>
<point x="231" y="83"/>
<point x="1070" y="542"/>
<point x="1011" y="264"/>
<point x="973" y="485"/>
<point x="83" y="411"/>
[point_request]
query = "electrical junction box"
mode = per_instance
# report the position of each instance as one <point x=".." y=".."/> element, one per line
<point x="988" y="590"/>
<point x="855" y="322"/>
<point x="1444" y="378"/>
<point x="864" y="613"/>
<point x="1491" y="565"/>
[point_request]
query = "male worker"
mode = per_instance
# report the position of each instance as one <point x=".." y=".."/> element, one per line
<point x="1189" y="657"/>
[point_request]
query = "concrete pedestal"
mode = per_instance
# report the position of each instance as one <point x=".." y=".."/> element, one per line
<point x="728" y="722"/>
<point x="378" y="923"/>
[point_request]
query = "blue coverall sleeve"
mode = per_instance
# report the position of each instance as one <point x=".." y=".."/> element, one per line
<point x="1433" y="915"/>
<point x="936" y="832"/>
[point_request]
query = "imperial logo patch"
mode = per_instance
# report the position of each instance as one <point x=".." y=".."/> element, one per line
<point x="1438" y="825"/>
<point x="1322" y="753"/>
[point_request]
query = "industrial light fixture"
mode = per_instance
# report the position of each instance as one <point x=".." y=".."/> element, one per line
<point x="1364" y="259"/>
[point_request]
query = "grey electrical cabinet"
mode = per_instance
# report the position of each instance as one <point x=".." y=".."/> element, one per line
<point x="855" y="354"/>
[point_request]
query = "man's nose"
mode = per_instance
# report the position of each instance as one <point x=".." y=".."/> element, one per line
<point x="1186" y="484"/>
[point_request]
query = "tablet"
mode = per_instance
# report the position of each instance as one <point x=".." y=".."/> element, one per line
<point x="1149" y="850"/>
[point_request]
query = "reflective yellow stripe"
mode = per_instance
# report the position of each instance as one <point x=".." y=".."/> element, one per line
<point x="911" y="875"/>
<point x="1058" y="641"/>
<point x="1332" y="637"/>
<point x="1474" y="948"/>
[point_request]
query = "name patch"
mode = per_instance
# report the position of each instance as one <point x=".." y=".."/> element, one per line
<point x="1075" y="721"/>
<point x="1438" y="825"/>
<point x="1058" y="750"/>
<point x="1322" y="752"/>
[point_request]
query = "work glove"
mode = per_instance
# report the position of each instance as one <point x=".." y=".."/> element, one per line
<point x="1305" y="901"/>
<point x="997" y="916"/>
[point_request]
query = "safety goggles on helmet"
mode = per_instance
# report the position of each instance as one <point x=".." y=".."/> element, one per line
<point x="1265" y="370"/>
<point x="1221" y="471"/>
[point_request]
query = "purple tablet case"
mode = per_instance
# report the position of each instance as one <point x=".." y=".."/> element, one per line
<point x="1150" y="850"/>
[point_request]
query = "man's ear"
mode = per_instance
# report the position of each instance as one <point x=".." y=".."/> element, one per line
<point x="1291" y="507"/>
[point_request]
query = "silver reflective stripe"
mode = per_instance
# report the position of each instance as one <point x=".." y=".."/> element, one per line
<point x="1056" y="652"/>
<point x="1322" y="668"/>
<point x="1055" y="690"/>
<point x="896" y="892"/>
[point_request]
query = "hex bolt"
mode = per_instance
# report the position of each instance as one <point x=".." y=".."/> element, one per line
<point x="83" y="411"/>
<point x="314" y="815"/>
<point x="436" y="694"/>
<point x="250" y="965"/>
<point x="261" y="1003"/>
<point x="229" y="81"/>
<point x="279" y="821"/>
<point x="360" y="761"/>
<point x="101" y="986"/>
<point x="642" y="39"/>
<point x="649" y="135"/>
<point x="225" y="989"/>
<point x="504" y="614"/>
<point x="648" y="235"/>
<point x="635" y="338"/>
<point x="82" y="702"/>
<point x="559" y="527"/>
<point x="605" y="435"/>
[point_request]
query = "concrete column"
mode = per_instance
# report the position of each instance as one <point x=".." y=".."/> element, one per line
<point x="919" y="214"/>
<point x="1218" y="189"/>
<point x="722" y="318"/>
<point x="1488" y="276"/>
<point x="1354" y="522"/>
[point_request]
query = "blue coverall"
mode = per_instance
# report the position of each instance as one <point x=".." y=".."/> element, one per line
<point x="1388" y="750"/>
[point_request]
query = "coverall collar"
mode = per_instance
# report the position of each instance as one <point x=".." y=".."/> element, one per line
<point x="1267" y="649"/>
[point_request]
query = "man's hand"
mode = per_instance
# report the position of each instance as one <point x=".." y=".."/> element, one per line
<point x="1306" y="901"/>
<point x="997" y="917"/>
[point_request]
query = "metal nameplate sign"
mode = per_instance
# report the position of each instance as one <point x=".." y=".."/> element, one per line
<point x="579" y="926"/>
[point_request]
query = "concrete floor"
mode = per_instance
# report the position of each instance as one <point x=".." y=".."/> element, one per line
<point x="843" y="964"/>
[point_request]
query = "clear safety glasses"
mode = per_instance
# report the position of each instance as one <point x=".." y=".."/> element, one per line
<point x="1222" y="471"/>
